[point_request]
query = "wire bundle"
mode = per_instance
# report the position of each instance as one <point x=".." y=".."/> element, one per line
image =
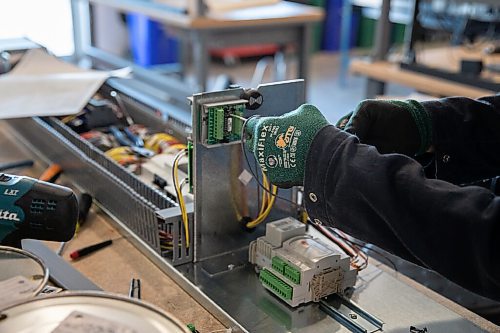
<point x="178" y="191"/>
<point x="267" y="202"/>
<point x="359" y="259"/>
<point x="122" y="155"/>
<point x="163" y="143"/>
<point x="166" y="240"/>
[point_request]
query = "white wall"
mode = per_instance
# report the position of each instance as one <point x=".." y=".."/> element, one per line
<point x="47" y="22"/>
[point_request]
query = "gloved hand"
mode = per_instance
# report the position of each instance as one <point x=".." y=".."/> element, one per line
<point x="403" y="127"/>
<point x="280" y="144"/>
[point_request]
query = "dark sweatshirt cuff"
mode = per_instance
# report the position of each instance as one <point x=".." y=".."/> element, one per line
<point x="423" y="120"/>
<point x="318" y="164"/>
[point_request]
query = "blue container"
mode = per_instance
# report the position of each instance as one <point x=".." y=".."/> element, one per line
<point x="149" y="42"/>
<point x="332" y="26"/>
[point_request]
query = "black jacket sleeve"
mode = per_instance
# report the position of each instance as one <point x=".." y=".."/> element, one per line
<point x="387" y="200"/>
<point x="466" y="138"/>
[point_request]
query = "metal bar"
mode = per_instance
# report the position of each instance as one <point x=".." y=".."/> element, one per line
<point x="383" y="33"/>
<point x="200" y="58"/>
<point x="411" y="32"/>
<point x="345" y="39"/>
<point x="279" y="66"/>
<point x="197" y="8"/>
<point x="153" y="9"/>
<point x="173" y="87"/>
<point x="81" y="27"/>
<point x="303" y="54"/>
<point x="374" y="88"/>
<point x="351" y="315"/>
<point x="380" y="49"/>
<point x="363" y="313"/>
<point x="62" y="273"/>
<point x="341" y="318"/>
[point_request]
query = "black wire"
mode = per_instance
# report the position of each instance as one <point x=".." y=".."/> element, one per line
<point x="243" y="150"/>
<point x="364" y="246"/>
<point x="257" y="186"/>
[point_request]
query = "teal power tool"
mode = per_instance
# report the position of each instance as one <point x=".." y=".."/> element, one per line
<point x="30" y="208"/>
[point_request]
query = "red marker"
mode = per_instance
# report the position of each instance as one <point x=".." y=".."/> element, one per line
<point x="89" y="249"/>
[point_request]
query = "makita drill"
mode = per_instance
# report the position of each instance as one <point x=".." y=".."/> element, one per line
<point x="30" y="208"/>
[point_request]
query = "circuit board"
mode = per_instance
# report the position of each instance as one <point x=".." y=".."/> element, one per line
<point x="222" y="122"/>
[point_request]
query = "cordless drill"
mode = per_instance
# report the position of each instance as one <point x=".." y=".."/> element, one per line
<point x="34" y="209"/>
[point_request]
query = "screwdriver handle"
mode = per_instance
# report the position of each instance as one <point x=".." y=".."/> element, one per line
<point x="89" y="249"/>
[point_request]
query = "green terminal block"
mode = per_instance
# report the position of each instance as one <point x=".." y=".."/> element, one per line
<point x="215" y="125"/>
<point x="278" y="265"/>
<point x="190" y="165"/>
<point x="222" y="126"/>
<point x="286" y="269"/>
<point x="218" y="124"/>
<point x="237" y="123"/>
<point x="292" y="273"/>
<point x="280" y="287"/>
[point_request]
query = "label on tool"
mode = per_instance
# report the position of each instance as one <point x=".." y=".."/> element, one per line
<point x="16" y="288"/>
<point x="80" y="322"/>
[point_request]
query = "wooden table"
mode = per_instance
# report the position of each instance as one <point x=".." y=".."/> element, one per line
<point x="282" y="23"/>
<point x="444" y="58"/>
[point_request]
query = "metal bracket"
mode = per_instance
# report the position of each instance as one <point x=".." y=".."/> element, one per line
<point x="351" y="315"/>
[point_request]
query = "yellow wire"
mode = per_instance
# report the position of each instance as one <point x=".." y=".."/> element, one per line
<point x="119" y="152"/>
<point x="178" y="146"/>
<point x="267" y="203"/>
<point x="265" y="194"/>
<point x="154" y="141"/>
<point x="263" y="216"/>
<point x="180" y="198"/>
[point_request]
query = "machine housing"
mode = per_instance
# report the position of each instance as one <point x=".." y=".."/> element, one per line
<point x="297" y="267"/>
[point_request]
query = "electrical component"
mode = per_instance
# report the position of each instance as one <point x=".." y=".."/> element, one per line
<point x="160" y="167"/>
<point x="297" y="267"/>
<point x="222" y="122"/>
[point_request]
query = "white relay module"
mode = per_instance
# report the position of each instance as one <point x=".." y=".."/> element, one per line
<point x="297" y="267"/>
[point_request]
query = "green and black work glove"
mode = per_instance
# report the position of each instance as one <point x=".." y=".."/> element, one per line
<point x="403" y="127"/>
<point x="280" y="144"/>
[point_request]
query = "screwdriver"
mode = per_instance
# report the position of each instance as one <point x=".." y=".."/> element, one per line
<point x="90" y="249"/>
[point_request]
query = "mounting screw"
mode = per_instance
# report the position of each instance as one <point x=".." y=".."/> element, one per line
<point x="254" y="98"/>
<point x="353" y="316"/>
